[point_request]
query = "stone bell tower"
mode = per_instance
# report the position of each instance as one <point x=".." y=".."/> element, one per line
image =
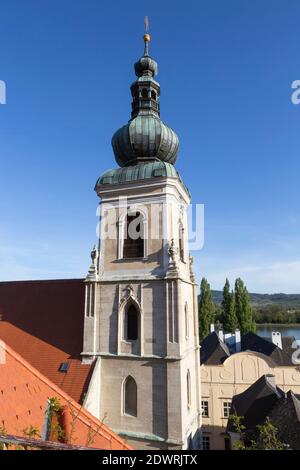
<point x="141" y="319"/>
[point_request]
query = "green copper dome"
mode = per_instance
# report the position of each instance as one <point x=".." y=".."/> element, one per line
<point x="145" y="137"/>
<point x="145" y="148"/>
<point x="142" y="171"/>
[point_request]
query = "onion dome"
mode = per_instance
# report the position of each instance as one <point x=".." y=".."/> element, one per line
<point x="146" y="66"/>
<point x="138" y="172"/>
<point x="145" y="137"/>
<point x="142" y="171"/>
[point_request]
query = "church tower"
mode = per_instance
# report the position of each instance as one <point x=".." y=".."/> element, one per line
<point x="141" y="315"/>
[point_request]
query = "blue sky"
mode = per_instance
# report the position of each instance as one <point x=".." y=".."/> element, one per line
<point x="226" y="69"/>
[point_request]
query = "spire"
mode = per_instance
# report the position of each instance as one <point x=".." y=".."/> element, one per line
<point x="145" y="137"/>
<point x="146" y="37"/>
<point x="146" y="66"/>
<point x="145" y="90"/>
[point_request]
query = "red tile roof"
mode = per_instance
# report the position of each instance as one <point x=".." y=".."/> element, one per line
<point x="43" y="322"/>
<point x="24" y="393"/>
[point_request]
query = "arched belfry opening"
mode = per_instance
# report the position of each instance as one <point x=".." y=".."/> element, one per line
<point x="130" y="397"/>
<point x="133" y="246"/>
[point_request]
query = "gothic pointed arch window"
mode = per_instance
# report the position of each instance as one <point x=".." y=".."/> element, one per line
<point x="130" y="396"/>
<point x="189" y="390"/>
<point x="131" y="322"/>
<point x="134" y="237"/>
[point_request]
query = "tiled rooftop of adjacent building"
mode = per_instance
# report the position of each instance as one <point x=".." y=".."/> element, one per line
<point x="24" y="394"/>
<point x="43" y="322"/>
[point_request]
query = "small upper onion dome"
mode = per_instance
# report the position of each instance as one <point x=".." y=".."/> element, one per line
<point x="145" y="66"/>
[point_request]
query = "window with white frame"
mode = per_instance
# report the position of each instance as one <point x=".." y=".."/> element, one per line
<point x="205" y="409"/>
<point x="226" y="409"/>
<point x="205" y="442"/>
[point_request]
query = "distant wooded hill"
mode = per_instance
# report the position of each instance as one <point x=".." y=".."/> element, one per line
<point x="288" y="301"/>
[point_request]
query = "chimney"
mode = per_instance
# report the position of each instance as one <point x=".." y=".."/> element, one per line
<point x="212" y="327"/>
<point x="276" y="339"/>
<point x="271" y="379"/>
<point x="238" y="341"/>
<point x="221" y="335"/>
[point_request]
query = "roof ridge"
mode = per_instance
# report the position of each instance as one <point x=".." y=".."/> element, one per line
<point x="221" y="343"/>
<point x="254" y="342"/>
<point x="40" y="281"/>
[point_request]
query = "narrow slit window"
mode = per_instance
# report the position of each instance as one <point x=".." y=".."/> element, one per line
<point x="181" y="242"/>
<point x="188" y="385"/>
<point x="90" y="300"/>
<point x="186" y="317"/>
<point x="87" y="300"/>
<point x="92" y="311"/>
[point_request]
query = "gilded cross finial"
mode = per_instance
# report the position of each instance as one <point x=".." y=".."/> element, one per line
<point x="146" y="36"/>
<point x="147" y="24"/>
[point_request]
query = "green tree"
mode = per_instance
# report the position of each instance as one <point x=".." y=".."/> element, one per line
<point x="226" y="300"/>
<point x="267" y="435"/>
<point x="243" y="308"/>
<point x="232" y="323"/>
<point x="228" y="310"/>
<point x="206" y="309"/>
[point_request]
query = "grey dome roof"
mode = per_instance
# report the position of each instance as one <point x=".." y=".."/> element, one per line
<point x="145" y="138"/>
<point x="145" y="65"/>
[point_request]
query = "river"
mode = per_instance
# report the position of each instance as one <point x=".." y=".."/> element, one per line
<point x="286" y="330"/>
